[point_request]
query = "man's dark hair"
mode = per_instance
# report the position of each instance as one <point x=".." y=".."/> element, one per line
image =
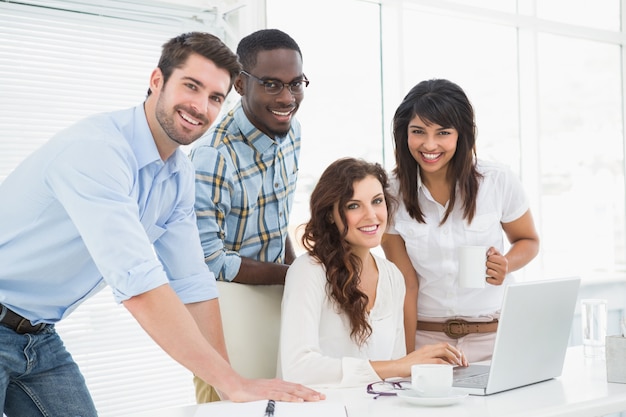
<point x="176" y="51"/>
<point x="263" y="40"/>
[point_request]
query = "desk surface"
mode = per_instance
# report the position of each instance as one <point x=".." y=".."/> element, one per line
<point x="581" y="391"/>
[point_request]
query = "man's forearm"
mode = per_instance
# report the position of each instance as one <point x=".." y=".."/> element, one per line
<point x="290" y="253"/>
<point x="164" y="317"/>
<point x="260" y="273"/>
<point x="209" y="319"/>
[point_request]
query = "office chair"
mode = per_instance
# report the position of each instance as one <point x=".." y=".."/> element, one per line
<point x="251" y="320"/>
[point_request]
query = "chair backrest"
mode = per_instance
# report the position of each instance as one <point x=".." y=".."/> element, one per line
<point x="251" y="319"/>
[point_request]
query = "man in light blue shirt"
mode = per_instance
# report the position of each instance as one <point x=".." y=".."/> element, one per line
<point x="110" y="201"/>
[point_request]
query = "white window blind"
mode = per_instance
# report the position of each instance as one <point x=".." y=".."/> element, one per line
<point x="61" y="61"/>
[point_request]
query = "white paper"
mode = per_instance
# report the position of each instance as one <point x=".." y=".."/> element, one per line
<point x="281" y="409"/>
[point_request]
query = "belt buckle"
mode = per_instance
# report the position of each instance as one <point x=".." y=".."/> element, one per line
<point x="459" y="324"/>
<point x="28" y="327"/>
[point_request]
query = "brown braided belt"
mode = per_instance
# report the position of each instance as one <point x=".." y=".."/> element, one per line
<point x="456" y="328"/>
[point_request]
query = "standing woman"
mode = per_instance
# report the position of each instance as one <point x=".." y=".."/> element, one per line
<point x="342" y="321"/>
<point x="449" y="198"/>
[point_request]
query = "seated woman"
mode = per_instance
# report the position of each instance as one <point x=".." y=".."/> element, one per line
<point x="342" y="320"/>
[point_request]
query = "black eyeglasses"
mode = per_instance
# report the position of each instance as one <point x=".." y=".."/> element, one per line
<point x="387" y="388"/>
<point x="274" y="87"/>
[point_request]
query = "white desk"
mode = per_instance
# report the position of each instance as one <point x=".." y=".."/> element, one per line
<point x="582" y="391"/>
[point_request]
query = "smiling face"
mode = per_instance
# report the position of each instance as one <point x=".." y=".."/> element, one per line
<point x="431" y="145"/>
<point x="271" y="114"/>
<point x="181" y="111"/>
<point x="366" y="215"/>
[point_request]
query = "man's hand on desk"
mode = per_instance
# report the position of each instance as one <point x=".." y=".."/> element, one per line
<point x="274" y="389"/>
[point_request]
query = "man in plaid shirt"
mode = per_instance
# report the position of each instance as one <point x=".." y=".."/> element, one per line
<point x="247" y="165"/>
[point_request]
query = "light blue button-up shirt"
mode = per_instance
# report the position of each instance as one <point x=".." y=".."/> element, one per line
<point x="96" y="205"/>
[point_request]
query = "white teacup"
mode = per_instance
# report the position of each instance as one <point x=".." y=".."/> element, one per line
<point x="472" y="266"/>
<point x="431" y="380"/>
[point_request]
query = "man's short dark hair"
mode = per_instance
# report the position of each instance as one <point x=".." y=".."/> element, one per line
<point x="263" y="40"/>
<point x="176" y="51"/>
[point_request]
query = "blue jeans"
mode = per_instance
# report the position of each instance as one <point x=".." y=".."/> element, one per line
<point x="38" y="377"/>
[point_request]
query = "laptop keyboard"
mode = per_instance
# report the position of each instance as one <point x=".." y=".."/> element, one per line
<point x="473" y="381"/>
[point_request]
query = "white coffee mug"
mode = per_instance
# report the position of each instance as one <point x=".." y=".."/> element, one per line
<point x="472" y="266"/>
<point x="431" y="380"/>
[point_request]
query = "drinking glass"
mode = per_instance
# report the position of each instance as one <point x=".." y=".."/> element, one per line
<point x="594" y="318"/>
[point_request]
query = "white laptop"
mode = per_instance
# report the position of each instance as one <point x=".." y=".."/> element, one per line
<point x="532" y="338"/>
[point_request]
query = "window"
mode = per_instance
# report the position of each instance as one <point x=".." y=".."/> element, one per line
<point x="581" y="155"/>
<point x="341" y="113"/>
<point x="58" y="64"/>
<point x="545" y="78"/>
<point x="600" y="14"/>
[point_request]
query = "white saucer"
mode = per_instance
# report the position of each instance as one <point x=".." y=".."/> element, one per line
<point x="416" y="398"/>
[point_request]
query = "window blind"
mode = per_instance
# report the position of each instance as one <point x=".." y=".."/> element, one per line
<point x="61" y="61"/>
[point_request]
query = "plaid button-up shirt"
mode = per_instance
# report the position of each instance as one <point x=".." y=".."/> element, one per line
<point x="245" y="184"/>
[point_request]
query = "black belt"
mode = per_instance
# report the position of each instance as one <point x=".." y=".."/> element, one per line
<point x="18" y="323"/>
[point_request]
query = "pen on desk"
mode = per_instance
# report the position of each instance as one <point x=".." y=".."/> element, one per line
<point x="269" y="410"/>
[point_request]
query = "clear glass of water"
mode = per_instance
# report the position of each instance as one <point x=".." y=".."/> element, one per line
<point x="594" y="324"/>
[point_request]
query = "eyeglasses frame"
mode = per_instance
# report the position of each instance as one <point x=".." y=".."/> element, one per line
<point x="289" y="85"/>
<point x="396" y="385"/>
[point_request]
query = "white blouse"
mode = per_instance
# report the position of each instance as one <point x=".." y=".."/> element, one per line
<point x="433" y="248"/>
<point x="315" y="344"/>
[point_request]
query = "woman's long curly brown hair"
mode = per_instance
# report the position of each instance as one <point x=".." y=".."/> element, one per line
<point x="444" y="103"/>
<point x="325" y="242"/>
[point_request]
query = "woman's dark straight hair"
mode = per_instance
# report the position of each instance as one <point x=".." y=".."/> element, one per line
<point x="444" y="103"/>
